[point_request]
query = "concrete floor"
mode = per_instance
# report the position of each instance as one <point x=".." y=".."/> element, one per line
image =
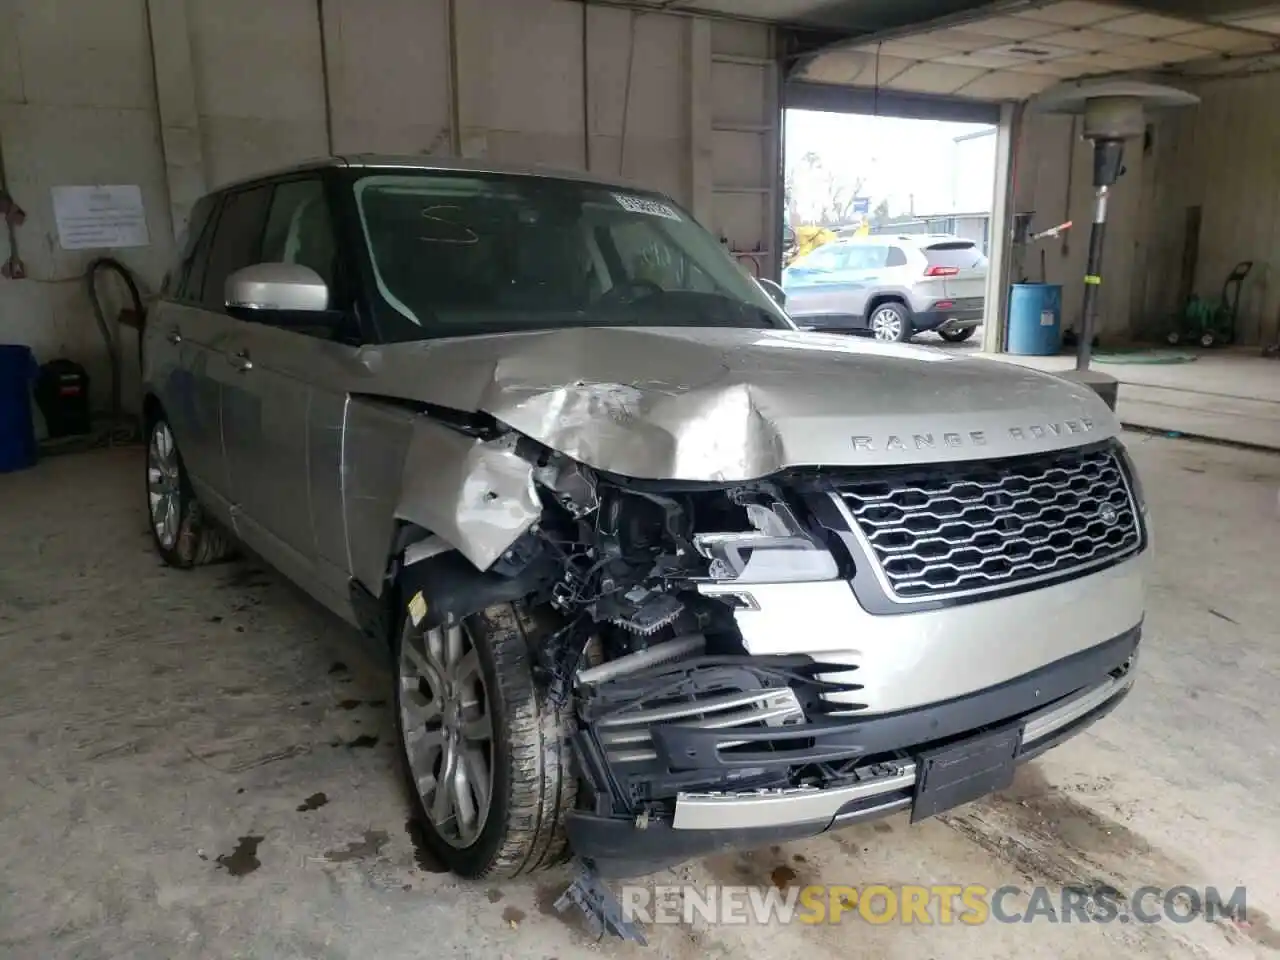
<point x="151" y="720"/>
<point x="1231" y="395"/>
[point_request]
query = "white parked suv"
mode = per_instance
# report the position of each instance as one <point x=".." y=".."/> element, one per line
<point x="655" y="572"/>
<point x="890" y="287"/>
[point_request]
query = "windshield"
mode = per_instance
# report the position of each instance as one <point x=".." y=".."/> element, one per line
<point x="455" y="254"/>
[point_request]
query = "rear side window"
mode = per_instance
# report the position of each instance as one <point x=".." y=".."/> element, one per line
<point x="896" y="258"/>
<point x="236" y="239"/>
<point x="963" y="254"/>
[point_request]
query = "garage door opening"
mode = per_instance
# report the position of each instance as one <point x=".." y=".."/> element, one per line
<point x="888" y="224"/>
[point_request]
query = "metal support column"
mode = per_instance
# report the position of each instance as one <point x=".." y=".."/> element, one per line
<point x="1000" y="259"/>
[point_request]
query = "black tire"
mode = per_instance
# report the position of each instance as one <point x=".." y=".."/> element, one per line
<point x="957" y="336"/>
<point x="534" y="786"/>
<point x="1174" y="337"/>
<point x="1208" y="339"/>
<point x="199" y="539"/>
<point x="900" y="313"/>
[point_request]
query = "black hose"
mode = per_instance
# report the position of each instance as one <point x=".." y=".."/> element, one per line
<point x="112" y="342"/>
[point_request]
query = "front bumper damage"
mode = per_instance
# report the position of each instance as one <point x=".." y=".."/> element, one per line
<point x="668" y="788"/>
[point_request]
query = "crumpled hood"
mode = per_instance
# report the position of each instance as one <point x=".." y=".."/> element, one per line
<point x="736" y="404"/>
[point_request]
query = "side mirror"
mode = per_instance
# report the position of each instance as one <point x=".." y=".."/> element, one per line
<point x="772" y="289"/>
<point x="288" y="287"/>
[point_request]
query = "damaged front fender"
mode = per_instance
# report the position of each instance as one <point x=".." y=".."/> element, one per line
<point x="478" y="495"/>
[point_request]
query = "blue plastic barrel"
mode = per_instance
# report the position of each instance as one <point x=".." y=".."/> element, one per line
<point x="17" y="431"/>
<point x="1035" y="319"/>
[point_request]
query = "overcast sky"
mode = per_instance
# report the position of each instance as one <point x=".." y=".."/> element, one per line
<point x="898" y="159"/>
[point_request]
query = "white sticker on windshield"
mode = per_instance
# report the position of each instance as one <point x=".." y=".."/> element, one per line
<point x="653" y="208"/>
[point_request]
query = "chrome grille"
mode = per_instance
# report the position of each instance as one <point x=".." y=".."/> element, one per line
<point x="973" y="527"/>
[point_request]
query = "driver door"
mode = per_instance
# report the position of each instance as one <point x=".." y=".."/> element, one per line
<point x="277" y="381"/>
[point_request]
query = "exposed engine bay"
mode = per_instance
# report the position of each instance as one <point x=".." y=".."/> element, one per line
<point x="631" y="556"/>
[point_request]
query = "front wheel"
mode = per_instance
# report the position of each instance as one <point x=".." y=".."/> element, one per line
<point x="890" y="323"/>
<point x="486" y="753"/>
<point x="957" y="336"/>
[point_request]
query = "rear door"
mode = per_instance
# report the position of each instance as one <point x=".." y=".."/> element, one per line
<point x="183" y="361"/>
<point x="867" y="273"/>
<point x="961" y="268"/>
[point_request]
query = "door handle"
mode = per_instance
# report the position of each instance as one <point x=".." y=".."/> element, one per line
<point x="241" y="361"/>
<point x="173" y="336"/>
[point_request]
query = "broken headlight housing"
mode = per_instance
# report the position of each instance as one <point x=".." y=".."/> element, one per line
<point x="777" y="550"/>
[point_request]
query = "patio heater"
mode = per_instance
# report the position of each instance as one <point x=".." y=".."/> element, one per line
<point x="1113" y="111"/>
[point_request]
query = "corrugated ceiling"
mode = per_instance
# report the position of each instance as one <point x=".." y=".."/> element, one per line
<point x="1018" y="53"/>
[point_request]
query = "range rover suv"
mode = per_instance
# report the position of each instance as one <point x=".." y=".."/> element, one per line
<point x="656" y="572"/>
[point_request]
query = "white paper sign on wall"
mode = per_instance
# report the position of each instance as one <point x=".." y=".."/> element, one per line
<point x="98" y="217"/>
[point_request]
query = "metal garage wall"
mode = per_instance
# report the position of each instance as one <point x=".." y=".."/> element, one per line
<point x="745" y="139"/>
<point x="1220" y="156"/>
<point x="258" y="87"/>
<point x="1053" y="173"/>
<point x="678" y="103"/>
<point x="515" y="83"/>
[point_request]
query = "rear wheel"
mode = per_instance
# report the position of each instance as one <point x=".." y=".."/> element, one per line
<point x="956" y="336"/>
<point x="890" y="323"/>
<point x="486" y="754"/>
<point x="183" y="536"/>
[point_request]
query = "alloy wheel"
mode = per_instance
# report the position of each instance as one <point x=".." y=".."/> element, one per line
<point x="164" y="485"/>
<point x="886" y="325"/>
<point x="447" y="729"/>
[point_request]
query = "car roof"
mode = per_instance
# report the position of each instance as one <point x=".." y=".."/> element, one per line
<point x="929" y="239"/>
<point x="393" y="162"/>
<point x="912" y="239"/>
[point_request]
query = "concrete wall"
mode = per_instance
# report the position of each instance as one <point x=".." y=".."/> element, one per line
<point x="1219" y="156"/>
<point x="238" y="86"/>
<point x="77" y="106"/>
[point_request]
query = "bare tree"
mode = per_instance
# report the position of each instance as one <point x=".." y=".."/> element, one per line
<point x="833" y="195"/>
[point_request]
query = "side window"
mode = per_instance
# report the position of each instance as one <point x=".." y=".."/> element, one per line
<point x="299" y="228"/>
<point x="183" y="281"/>
<point x="830" y="256"/>
<point x="896" y="258"/>
<point x="867" y="257"/>
<point x="236" y="240"/>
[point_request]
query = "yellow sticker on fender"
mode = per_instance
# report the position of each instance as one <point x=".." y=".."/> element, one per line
<point x="417" y="608"/>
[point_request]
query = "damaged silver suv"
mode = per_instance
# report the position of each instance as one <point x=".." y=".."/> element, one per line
<point x="658" y="574"/>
